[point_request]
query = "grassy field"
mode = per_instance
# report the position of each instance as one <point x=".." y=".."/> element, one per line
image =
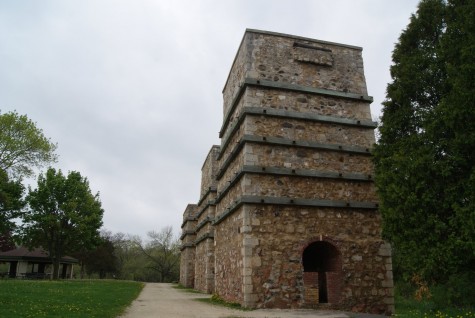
<point x="406" y="307"/>
<point x="70" y="298"/>
<point x="410" y="308"/>
<point x="109" y="298"/>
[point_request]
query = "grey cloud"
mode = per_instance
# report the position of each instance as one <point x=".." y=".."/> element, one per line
<point x="131" y="90"/>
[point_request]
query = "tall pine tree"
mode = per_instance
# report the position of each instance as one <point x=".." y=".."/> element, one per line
<point x="425" y="156"/>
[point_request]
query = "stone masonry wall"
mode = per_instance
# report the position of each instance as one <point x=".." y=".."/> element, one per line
<point x="306" y="103"/>
<point x="228" y="258"/>
<point x="307" y="131"/>
<point x="187" y="267"/>
<point x="204" y="243"/>
<point x="284" y="232"/>
<point x="330" y="161"/>
<point x="280" y="59"/>
<point x="208" y="171"/>
<point x="288" y="198"/>
<point x="295" y="129"/>
<point x="237" y="74"/>
<point x="309" y="188"/>
<point x="187" y="260"/>
<point x="204" y="231"/>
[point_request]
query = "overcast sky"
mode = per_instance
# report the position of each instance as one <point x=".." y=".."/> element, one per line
<point x="131" y="89"/>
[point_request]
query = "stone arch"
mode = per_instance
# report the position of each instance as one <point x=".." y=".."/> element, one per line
<point x="322" y="275"/>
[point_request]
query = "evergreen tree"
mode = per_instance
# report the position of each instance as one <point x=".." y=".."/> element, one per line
<point x="454" y="126"/>
<point x="425" y="156"/>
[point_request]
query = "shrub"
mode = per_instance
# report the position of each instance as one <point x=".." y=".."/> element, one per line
<point x="458" y="291"/>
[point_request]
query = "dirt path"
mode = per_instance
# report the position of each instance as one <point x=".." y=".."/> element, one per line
<point x="164" y="301"/>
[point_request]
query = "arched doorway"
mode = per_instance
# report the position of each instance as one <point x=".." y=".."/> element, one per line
<point x="322" y="273"/>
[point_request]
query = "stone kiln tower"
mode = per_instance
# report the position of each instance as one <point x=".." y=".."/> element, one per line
<point x="288" y="214"/>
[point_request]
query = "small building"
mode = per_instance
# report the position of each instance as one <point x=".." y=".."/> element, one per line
<point x="34" y="263"/>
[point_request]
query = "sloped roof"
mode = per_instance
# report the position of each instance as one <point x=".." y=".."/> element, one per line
<point x="35" y="254"/>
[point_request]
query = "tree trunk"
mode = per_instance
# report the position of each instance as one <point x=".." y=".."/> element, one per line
<point x="56" y="261"/>
<point x="82" y="270"/>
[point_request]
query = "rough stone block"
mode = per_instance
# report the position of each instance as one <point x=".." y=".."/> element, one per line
<point x="385" y="250"/>
<point x="246" y="229"/>
<point x="247" y="289"/>
<point x="387" y="283"/>
<point x="250" y="241"/>
<point x="256" y="261"/>
<point x="246" y="271"/>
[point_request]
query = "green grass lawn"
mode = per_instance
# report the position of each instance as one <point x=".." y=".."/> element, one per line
<point x="410" y="308"/>
<point x="68" y="298"/>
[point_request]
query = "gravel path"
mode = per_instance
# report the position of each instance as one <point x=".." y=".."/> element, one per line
<point x="164" y="301"/>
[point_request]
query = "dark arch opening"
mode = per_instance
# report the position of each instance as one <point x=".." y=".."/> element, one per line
<point x="322" y="259"/>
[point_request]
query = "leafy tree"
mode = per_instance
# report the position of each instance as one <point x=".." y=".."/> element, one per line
<point x="126" y="252"/>
<point x="23" y="145"/>
<point x="132" y="264"/>
<point x="6" y="242"/>
<point x="100" y="260"/>
<point x="153" y="260"/>
<point x="11" y="203"/>
<point x="425" y="156"/>
<point x="162" y="254"/>
<point x="64" y="216"/>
